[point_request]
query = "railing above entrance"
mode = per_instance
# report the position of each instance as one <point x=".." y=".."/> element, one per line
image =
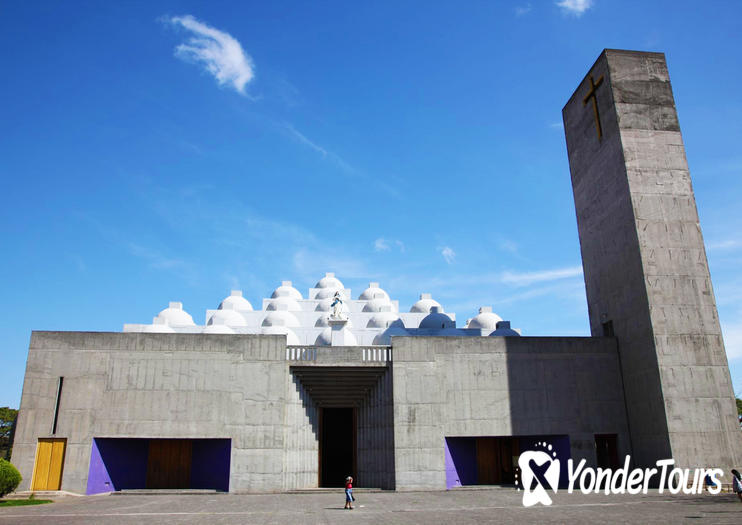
<point x="329" y="354"/>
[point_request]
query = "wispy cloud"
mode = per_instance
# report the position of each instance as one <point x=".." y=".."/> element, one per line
<point x="575" y="7"/>
<point x="523" y="10"/>
<point x="304" y="140"/>
<point x="528" y="278"/>
<point x="381" y="245"/>
<point x="156" y="259"/>
<point x="728" y="244"/>
<point x="448" y="254"/>
<point x="384" y="245"/>
<point x="218" y="52"/>
<point x="733" y="339"/>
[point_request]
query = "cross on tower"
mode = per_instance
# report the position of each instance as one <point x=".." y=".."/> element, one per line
<point x="591" y="94"/>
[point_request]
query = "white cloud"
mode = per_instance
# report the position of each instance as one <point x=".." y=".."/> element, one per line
<point x="733" y="339"/>
<point x="304" y="140"/>
<point x="219" y="53"/>
<point x="575" y="7"/>
<point x="448" y="254"/>
<point x="523" y="10"/>
<point x="381" y="245"/>
<point x="384" y="245"/>
<point x="528" y="278"/>
<point x="723" y="245"/>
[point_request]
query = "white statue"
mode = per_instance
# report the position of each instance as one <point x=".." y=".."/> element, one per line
<point x="337" y="305"/>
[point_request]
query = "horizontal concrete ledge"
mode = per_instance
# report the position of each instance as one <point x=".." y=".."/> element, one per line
<point x="339" y="355"/>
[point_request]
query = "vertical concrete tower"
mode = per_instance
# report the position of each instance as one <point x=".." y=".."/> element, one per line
<point x="645" y="266"/>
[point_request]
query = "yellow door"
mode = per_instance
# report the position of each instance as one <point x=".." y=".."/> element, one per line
<point x="47" y="472"/>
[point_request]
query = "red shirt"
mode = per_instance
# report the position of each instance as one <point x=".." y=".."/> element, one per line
<point x="348" y="484"/>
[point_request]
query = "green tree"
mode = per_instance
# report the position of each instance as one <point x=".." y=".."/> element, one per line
<point x="739" y="406"/>
<point x="8" y="417"/>
<point x="9" y="478"/>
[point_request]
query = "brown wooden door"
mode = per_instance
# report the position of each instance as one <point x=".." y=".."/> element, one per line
<point x="47" y="472"/>
<point x="169" y="464"/>
<point x="488" y="461"/>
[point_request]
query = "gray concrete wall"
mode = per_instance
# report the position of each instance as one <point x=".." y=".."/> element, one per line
<point x="645" y="264"/>
<point x="495" y="386"/>
<point x="159" y="385"/>
<point x="376" y="437"/>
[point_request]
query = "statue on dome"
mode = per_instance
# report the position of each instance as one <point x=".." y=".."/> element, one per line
<point x="337" y="305"/>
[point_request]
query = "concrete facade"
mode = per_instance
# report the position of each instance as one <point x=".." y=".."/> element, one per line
<point x="644" y="260"/>
<point x="427" y="402"/>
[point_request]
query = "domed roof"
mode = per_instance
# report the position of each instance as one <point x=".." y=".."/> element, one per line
<point x="217" y="329"/>
<point x="287" y="290"/>
<point x="373" y="292"/>
<point x="235" y="301"/>
<point x="329" y="281"/>
<point x="291" y="338"/>
<point x="383" y="320"/>
<point x="325" y="338"/>
<point x="281" y="318"/>
<point x="324" y="320"/>
<point x="227" y="317"/>
<point x="158" y="329"/>
<point x="437" y="321"/>
<point x="385" y="337"/>
<point x="378" y="305"/>
<point x="485" y="320"/>
<point x="425" y="304"/>
<point x="504" y="330"/>
<point x="324" y="306"/>
<point x="174" y="315"/>
<point x="324" y="293"/>
<point x="283" y="303"/>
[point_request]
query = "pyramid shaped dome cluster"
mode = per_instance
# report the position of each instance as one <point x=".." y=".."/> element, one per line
<point x="327" y="316"/>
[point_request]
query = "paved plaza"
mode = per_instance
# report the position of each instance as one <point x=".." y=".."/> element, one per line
<point x="460" y="507"/>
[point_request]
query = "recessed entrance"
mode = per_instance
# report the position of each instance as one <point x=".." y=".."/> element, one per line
<point x="337" y="450"/>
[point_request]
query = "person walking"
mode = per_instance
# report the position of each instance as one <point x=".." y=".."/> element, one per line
<point x="737" y="483"/>
<point x="349" y="493"/>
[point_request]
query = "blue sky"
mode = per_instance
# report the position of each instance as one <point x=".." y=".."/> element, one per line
<point x="158" y="151"/>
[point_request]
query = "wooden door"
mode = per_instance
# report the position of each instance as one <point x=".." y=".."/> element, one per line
<point x="169" y="464"/>
<point x="488" y="461"/>
<point x="47" y="471"/>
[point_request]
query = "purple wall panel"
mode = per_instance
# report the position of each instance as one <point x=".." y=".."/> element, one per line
<point x="210" y="466"/>
<point x="461" y="461"/>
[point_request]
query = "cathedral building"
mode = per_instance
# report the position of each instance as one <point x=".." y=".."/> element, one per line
<point x="306" y="390"/>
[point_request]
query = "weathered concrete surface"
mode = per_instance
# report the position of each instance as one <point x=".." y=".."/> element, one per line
<point x="645" y="263"/>
<point x="500" y="386"/>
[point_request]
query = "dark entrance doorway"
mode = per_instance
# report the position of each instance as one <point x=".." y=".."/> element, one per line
<point x="606" y="451"/>
<point x="337" y="450"/>
<point x="495" y="460"/>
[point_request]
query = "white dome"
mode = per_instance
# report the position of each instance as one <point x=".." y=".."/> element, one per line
<point x="217" y="329"/>
<point x="174" y="315"/>
<point x="324" y="320"/>
<point x="383" y="320"/>
<point x="485" y="320"/>
<point x="329" y="281"/>
<point x="385" y="337"/>
<point x="157" y="329"/>
<point x="437" y="321"/>
<point x="324" y="306"/>
<point x="287" y="290"/>
<point x="373" y="292"/>
<point x="278" y="303"/>
<point x="227" y="317"/>
<point x="235" y="302"/>
<point x="325" y="338"/>
<point x="291" y="338"/>
<point x="378" y="305"/>
<point x="281" y="318"/>
<point x="425" y="304"/>
<point x="324" y="293"/>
